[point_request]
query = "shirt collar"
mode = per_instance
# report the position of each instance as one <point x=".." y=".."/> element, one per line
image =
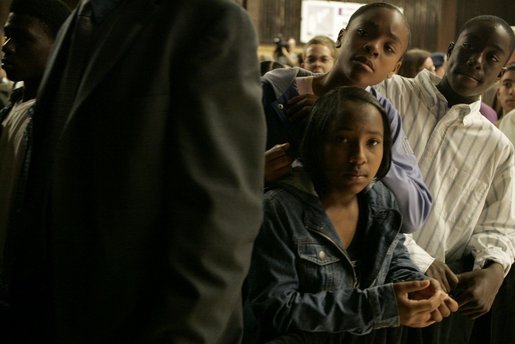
<point x="432" y="96"/>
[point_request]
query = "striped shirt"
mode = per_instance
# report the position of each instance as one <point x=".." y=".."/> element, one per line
<point x="468" y="165"/>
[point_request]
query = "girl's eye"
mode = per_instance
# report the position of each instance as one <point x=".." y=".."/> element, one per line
<point x="467" y="45"/>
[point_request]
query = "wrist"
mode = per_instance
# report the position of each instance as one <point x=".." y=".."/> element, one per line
<point x="493" y="266"/>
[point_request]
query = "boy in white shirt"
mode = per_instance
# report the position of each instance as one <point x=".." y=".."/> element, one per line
<point x="468" y="165"/>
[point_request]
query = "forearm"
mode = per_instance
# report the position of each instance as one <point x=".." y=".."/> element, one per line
<point x="412" y="195"/>
<point x="402" y="267"/>
<point x="404" y="178"/>
<point x="345" y="310"/>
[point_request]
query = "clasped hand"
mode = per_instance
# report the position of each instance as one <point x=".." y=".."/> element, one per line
<point x="474" y="291"/>
<point x="422" y="303"/>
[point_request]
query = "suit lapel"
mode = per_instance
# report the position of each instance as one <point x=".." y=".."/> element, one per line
<point x="115" y="36"/>
<point x="52" y="75"/>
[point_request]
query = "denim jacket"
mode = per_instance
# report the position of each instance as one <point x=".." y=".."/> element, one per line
<point x="404" y="178"/>
<point x="301" y="276"/>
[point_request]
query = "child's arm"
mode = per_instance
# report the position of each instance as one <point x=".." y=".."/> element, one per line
<point x="404" y="178"/>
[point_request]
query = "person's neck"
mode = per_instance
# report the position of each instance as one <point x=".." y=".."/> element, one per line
<point x="452" y="97"/>
<point x="339" y="199"/>
<point x="30" y="89"/>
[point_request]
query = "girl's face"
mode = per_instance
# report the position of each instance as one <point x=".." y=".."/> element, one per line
<point x="353" y="150"/>
<point x="372" y="46"/>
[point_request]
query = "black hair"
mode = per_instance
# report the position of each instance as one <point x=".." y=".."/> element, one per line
<point x="495" y="21"/>
<point x="52" y="13"/>
<point x="323" y="115"/>
<point x="374" y="5"/>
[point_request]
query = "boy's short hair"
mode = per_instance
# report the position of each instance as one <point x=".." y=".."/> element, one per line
<point x="322" y="118"/>
<point x="325" y="41"/>
<point x="493" y="20"/>
<point x="386" y="5"/>
<point x="52" y="13"/>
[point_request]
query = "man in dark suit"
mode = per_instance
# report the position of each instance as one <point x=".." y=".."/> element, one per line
<point x="143" y="196"/>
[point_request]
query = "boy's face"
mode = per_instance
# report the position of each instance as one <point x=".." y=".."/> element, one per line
<point x="476" y="60"/>
<point x="353" y="151"/>
<point x="26" y="47"/>
<point x="506" y="91"/>
<point x="372" y="46"/>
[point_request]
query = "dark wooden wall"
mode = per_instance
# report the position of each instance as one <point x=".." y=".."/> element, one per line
<point x="470" y="8"/>
<point x="434" y="23"/>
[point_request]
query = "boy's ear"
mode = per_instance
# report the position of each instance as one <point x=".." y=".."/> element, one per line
<point x="450" y="48"/>
<point x="395" y="69"/>
<point x="340" y="37"/>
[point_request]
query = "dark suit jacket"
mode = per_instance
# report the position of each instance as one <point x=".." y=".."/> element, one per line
<point x="142" y="208"/>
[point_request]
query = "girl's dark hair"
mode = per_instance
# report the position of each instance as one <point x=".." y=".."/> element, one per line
<point x="324" y="114"/>
<point x="52" y="13"/>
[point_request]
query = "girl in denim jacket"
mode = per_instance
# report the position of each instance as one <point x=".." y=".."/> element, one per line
<point x="329" y="262"/>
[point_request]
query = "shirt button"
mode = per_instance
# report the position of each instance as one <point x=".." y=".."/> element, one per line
<point x="280" y="106"/>
<point x="321" y="254"/>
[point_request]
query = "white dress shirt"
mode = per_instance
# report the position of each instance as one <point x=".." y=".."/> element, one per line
<point x="507" y="125"/>
<point x="468" y="165"/>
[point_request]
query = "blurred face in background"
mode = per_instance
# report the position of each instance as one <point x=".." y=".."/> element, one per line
<point x="506" y="91"/>
<point x="429" y="65"/>
<point x="318" y="58"/>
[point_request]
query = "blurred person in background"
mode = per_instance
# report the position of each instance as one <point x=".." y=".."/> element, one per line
<point x="440" y="62"/>
<point x="319" y="54"/>
<point x="30" y="32"/>
<point x="414" y="61"/>
<point x="506" y="91"/>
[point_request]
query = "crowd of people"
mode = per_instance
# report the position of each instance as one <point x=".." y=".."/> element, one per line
<point x="370" y="200"/>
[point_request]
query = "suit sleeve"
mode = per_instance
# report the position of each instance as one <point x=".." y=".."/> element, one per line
<point x="215" y="204"/>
